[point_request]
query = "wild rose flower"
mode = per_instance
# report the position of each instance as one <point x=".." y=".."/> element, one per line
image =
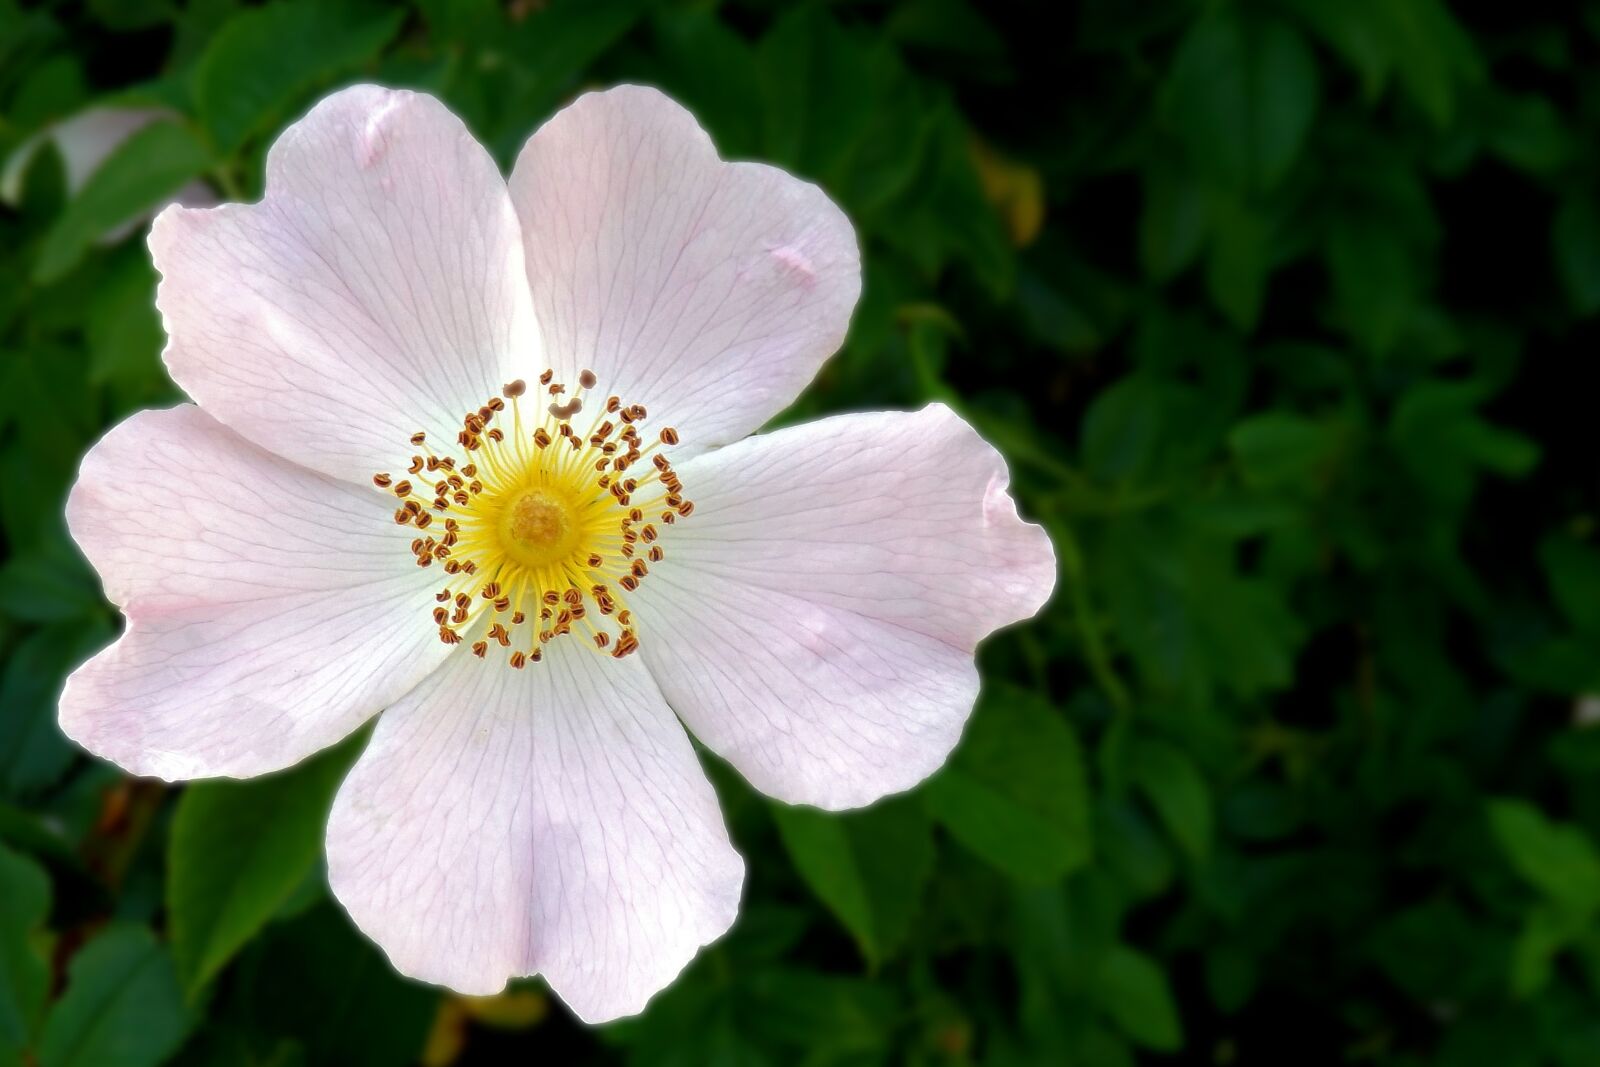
<point x="384" y="500"/>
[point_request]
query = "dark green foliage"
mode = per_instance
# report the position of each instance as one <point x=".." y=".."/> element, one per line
<point x="1278" y="309"/>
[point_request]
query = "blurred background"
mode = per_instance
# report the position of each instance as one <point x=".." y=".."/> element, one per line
<point x="1278" y="309"/>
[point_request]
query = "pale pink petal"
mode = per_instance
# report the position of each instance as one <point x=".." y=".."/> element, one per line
<point x="710" y="292"/>
<point x="376" y="291"/>
<point x="552" y="820"/>
<point x="270" y="610"/>
<point x="814" y="619"/>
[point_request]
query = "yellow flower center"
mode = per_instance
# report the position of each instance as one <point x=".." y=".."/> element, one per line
<point x="545" y="530"/>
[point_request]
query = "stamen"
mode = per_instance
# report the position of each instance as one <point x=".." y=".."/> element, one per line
<point x="561" y="528"/>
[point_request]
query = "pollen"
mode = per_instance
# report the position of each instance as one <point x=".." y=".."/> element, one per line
<point x="536" y="521"/>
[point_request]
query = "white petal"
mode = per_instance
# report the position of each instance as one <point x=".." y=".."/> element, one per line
<point x="553" y="819"/>
<point x="270" y="610"/>
<point x="815" y="618"/>
<point x="710" y="292"/>
<point x="377" y="290"/>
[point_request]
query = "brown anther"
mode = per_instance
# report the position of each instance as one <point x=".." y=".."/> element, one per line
<point x="452" y="567"/>
<point x="595" y="559"/>
<point x="480" y="648"/>
<point x="496" y="404"/>
<point x="496" y="436"/>
<point x="470" y="470"/>
<point x="625" y="618"/>
<point x="669" y="435"/>
<point x="433" y="463"/>
<point x="515" y="389"/>
<point x="602" y="639"/>
<point x="638" y="412"/>
<point x="460" y="497"/>
<point x="518" y="659"/>
<point x="491" y="590"/>
<point x="668" y="517"/>
<point x="648" y="533"/>
<point x="657" y="554"/>
<point x="443" y="595"/>
<point x="503" y="604"/>
<point x="613" y="404"/>
<point x="462" y="600"/>
<point x="551" y="597"/>
<point x="544" y="379"/>
<point x="535" y="656"/>
<point x="587" y="379"/>
<point x="416" y="545"/>
<point x="449" y="636"/>
<point x="627" y="551"/>
<point x="541" y="437"/>
<point x="572" y="596"/>
<point x="418" y="437"/>
<point x="417" y="465"/>
<point x="498" y="633"/>
<point x="635" y="515"/>
<point x="628" y="582"/>
<point x="567" y="410"/>
<point x="402" y="489"/>
<point x="557" y="389"/>
<point x="661" y="462"/>
<point x="517" y="618"/>
<point x="686" y="508"/>
<point x="382" y="481"/>
<point x="639" y="569"/>
<point x="441" y="616"/>
<point x="424" y="520"/>
<point x="458" y="616"/>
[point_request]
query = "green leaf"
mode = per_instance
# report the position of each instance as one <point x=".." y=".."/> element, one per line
<point x="122" y="1006"/>
<point x="318" y="981"/>
<point x="868" y="867"/>
<point x="1279" y="449"/>
<point x="1173" y="785"/>
<point x="1575" y="238"/>
<point x="1173" y="224"/>
<point x="143" y="173"/>
<point x="1131" y="989"/>
<point x="239" y="851"/>
<point x="263" y="62"/>
<point x="1557" y="859"/>
<point x="1239" y="260"/>
<point x="33" y="751"/>
<point x="1375" y="284"/>
<point x="1015" y="791"/>
<point x="24" y="971"/>
<point x="1242" y="93"/>
<point x="1572" y="571"/>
